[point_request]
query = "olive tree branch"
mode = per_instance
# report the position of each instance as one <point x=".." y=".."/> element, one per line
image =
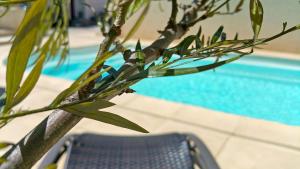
<point x="114" y="32"/>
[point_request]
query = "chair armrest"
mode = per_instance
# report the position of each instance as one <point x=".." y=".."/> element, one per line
<point x="202" y="156"/>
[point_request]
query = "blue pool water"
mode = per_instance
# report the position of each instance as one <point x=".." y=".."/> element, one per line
<point x="259" y="87"/>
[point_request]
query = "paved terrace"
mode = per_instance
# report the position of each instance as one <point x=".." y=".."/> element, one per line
<point x="237" y="142"/>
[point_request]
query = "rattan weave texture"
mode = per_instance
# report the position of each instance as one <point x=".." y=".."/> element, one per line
<point x="90" y="151"/>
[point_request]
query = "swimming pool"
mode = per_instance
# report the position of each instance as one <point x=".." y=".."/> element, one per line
<point x="255" y="86"/>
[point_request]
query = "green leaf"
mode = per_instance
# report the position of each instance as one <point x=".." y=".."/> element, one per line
<point x="91" y="110"/>
<point x="199" y="32"/>
<point x="13" y="2"/>
<point x="51" y="166"/>
<point x="138" y="46"/>
<point x="22" y="47"/>
<point x="197" y="39"/>
<point x="256" y="15"/>
<point x="138" y="23"/>
<point x="2" y="160"/>
<point x="135" y="6"/>
<point x="75" y="87"/>
<point x="184" y="44"/>
<point x="150" y="73"/>
<point x="83" y="76"/>
<point x="167" y="55"/>
<point x="5" y="145"/>
<point x="140" y="56"/>
<point x="217" y="35"/>
<point x="31" y="80"/>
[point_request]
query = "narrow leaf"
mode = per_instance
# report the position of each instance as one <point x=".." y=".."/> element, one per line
<point x="135" y="6"/>
<point x="22" y="47"/>
<point x="13" y="2"/>
<point x="138" y="23"/>
<point x="184" y="44"/>
<point x="138" y="46"/>
<point x="167" y="56"/>
<point x="140" y="56"/>
<point x="5" y="145"/>
<point x="223" y="36"/>
<point x="217" y="35"/>
<point x="2" y="160"/>
<point x="31" y="80"/>
<point x="256" y="15"/>
<point x="75" y="87"/>
<point x="51" y="166"/>
<point x="91" y="110"/>
<point x="150" y="73"/>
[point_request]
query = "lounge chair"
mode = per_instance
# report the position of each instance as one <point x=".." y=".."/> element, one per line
<point x="169" y="151"/>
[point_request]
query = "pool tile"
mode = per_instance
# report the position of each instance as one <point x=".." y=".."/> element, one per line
<point x="214" y="140"/>
<point x="208" y="118"/>
<point x="269" y="132"/>
<point x="241" y="153"/>
<point x="154" y="106"/>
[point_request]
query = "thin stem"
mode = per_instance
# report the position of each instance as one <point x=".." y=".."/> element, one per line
<point x="172" y="20"/>
<point x="114" y="32"/>
<point x="207" y="14"/>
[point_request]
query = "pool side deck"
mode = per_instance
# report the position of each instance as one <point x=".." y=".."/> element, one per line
<point x="237" y="142"/>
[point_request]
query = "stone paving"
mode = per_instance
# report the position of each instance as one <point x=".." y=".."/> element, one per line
<point x="236" y="142"/>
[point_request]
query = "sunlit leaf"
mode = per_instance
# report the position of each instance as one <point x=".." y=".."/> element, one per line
<point x="91" y="110"/>
<point x="138" y="23"/>
<point x="32" y="79"/>
<point x="197" y="39"/>
<point x="5" y="145"/>
<point x="22" y="47"/>
<point x="51" y="166"/>
<point x="140" y="56"/>
<point x="256" y="15"/>
<point x="135" y="6"/>
<point x="13" y="2"/>
<point x="150" y="73"/>
<point x="76" y="86"/>
<point x="2" y="160"/>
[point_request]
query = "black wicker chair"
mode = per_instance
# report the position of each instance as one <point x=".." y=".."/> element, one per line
<point x="2" y="99"/>
<point x="169" y="151"/>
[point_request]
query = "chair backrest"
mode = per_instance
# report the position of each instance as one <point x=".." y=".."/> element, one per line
<point x="2" y="98"/>
<point x="89" y="151"/>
